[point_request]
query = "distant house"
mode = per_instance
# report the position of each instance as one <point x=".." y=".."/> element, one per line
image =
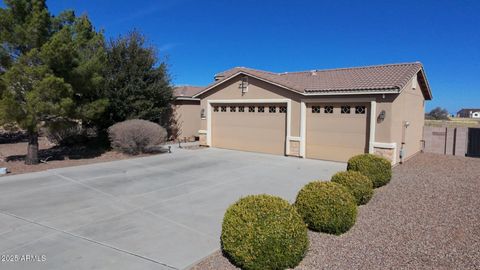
<point x="187" y="111"/>
<point x="469" y="113"/>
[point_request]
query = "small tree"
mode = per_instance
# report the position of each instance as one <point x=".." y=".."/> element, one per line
<point x="438" y="114"/>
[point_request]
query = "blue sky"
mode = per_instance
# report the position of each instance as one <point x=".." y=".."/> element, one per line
<point x="201" y="38"/>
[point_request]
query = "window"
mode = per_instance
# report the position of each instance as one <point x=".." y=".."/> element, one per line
<point x="241" y="109"/>
<point x="283" y="109"/>
<point x="315" y="109"/>
<point x="359" y="109"/>
<point x="223" y="108"/>
<point x="345" y="109"/>
<point x="272" y="109"/>
<point x="215" y="108"/>
<point x="251" y="108"/>
<point x="261" y="109"/>
<point x="328" y="109"/>
<point x="233" y="109"/>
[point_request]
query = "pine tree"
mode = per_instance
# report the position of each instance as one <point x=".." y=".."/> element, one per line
<point x="51" y="69"/>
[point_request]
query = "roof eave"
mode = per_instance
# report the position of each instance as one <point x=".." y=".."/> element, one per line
<point x="208" y="88"/>
<point x="315" y="92"/>
<point x="424" y="78"/>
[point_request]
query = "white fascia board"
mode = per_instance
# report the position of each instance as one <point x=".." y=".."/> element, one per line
<point x="187" y="98"/>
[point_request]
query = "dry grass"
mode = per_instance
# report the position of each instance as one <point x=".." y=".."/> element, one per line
<point x="454" y="122"/>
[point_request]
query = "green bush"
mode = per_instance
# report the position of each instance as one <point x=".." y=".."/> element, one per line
<point x="263" y="232"/>
<point x="359" y="185"/>
<point x="377" y="169"/>
<point x="327" y="207"/>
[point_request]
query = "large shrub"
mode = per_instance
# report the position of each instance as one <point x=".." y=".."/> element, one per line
<point x="377" y="169"/>
<point x="327" y="207"/>
<point x="359" y="185"/>
<point x="263" y="232"/>
<point x="136" y="136"/>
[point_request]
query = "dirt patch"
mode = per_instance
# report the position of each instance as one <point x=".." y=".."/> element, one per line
<point x="12" y="156"/>
<point x="427" y="217"/>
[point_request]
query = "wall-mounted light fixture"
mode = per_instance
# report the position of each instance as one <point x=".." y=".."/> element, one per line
<point x="381" y="116"/>
<point x="202" y="114"/>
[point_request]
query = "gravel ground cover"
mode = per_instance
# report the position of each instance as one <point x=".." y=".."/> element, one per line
<point x="427" y="217"/>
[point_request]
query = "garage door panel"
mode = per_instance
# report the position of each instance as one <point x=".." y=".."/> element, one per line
<point x="333" y="139"/>
<point x="250" y="131"/>
<point x="336" y="136"/>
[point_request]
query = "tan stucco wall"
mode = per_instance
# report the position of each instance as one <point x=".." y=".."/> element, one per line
<point x="408" y="106"/>
<point x="256" y="90"/>
<point x="188" y="117"/>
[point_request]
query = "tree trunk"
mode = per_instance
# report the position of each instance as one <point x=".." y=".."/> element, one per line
<point x="32" y="152"/>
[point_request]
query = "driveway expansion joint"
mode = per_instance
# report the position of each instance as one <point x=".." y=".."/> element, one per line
<point x="89" y="240"/>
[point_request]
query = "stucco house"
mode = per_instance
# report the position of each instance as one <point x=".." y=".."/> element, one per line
<point x="320" y="114"/>
<point x="469" y="113"/>
<point x="187" y="111"/>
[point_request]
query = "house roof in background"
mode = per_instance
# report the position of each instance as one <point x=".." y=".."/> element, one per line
<point x="468" y="110"/>
<point x="380" y="78"/>
<point x="186" y="91"/>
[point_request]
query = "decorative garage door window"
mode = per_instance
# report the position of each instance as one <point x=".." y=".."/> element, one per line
<point x="223" y="108"/>
<point x="328" y="109"/>
<point x="359" y="109"/>
<point x="272" y="109"/>
<point x="215" y="108"/>
<point x="261" y="109"/>
<point x="316" y="109"/>
<point x="251" y="108"/>
<point x="233" y="108"/>
<point x="241" y="109"/>
<point x="282" y="109"/>
<point x="345" y="109"/>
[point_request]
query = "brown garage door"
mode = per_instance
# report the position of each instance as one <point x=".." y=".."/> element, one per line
<point x="336" y="131"/>
<point x="248" y="127"/>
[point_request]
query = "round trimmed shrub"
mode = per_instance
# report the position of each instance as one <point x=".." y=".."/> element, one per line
<point x="136" y="136"/>
<point x="263" y="232"/>
<point x="327" y="207"/>
<point x="377" y="169"/>
<point x="359" y="185"/>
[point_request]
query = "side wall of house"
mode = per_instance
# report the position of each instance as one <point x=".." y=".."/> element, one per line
<point x="408" y="108"/>
<point x="188" y="117"/>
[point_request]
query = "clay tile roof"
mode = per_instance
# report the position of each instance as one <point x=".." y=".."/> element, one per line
<point x="187" y="90"/>
<point x="372" y="78"/>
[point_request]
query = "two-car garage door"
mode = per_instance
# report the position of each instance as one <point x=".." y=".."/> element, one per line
<point x="334" y="131"/>
<point x="250" y="127"/>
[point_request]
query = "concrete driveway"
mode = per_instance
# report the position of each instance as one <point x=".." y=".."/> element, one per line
<point x="159" y="212"/>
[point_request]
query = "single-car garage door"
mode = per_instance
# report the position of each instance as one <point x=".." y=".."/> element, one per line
<point x="249" y="127"/>
<point x="337" y="131"/>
